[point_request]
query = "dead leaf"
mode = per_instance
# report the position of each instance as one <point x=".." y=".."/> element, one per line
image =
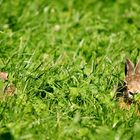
<point x="10" y="89"/>
<point x="4" y="76"/>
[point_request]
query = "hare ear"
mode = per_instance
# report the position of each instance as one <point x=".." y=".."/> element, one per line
<point x="129" y="68"/>
<point x="138" y="68"/>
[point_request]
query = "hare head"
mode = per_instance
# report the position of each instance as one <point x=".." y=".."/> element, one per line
<point x="132" y="78"/>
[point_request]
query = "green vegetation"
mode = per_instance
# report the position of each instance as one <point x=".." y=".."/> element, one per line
<point x="65" y="58"/>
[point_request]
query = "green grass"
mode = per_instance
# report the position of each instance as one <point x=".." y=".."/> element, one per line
<point x="65" y="58"/>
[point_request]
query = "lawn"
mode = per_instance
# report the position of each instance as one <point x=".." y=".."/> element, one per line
<point x="65" y="58"/>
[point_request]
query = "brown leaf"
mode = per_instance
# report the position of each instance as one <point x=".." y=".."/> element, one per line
<point x="9" y="90"/>
<point x="4" y="76"/>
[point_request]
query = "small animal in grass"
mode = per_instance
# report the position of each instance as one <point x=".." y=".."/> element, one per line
<point x="5" y="87"/>
<point x="129" y="93"/>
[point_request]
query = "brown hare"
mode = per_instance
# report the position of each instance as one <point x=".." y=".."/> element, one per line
<point x="131" y="88"/>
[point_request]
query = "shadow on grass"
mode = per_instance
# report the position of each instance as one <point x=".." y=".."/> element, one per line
<point x="6" y="136"/>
